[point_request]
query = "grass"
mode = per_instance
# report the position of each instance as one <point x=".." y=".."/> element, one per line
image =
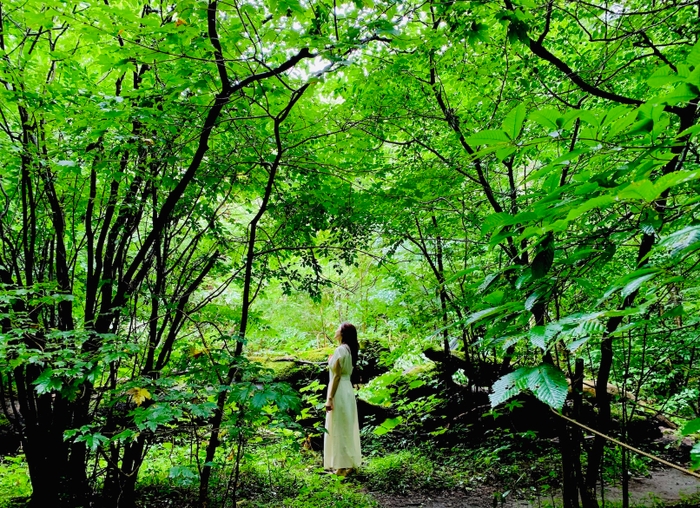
<point x="279" y="476"/>
<point x="271" y="476"/>
<point x="404" y="471"/>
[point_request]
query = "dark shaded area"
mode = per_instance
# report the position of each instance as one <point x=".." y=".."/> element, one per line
<point x="10" y="440"/>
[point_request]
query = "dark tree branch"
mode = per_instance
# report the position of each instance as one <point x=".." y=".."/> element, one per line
<point x="133" y="274"/>
<point x="656" y="51"/>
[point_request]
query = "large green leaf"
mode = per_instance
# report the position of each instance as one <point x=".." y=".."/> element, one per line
<point x="478" y="316"/>
<point x="508" y="386"/>
<point x="488" y="137"/>
<point x="693" y="57"/>
<point x="675" y="178"/>
<point x="590" y="204"/>
<point x="682" y="241"/>
<point x="685" y="92"/>
<point x="549" y="385"/>
<point x="548" y="118"/>
<point x="541" y="336"/>
<point x="387" y="425"/>
<point x="663" y="76"/>
<point x="643" y="189"/>
<point x="513" y="122"/>
<point x="691" y="427"/>
<point x="545" y="381"/>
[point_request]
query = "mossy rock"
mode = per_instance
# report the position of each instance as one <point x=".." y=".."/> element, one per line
<point x="289" y="371"/>
<point x="298" y="370"/>
<point x="310" y="364"/>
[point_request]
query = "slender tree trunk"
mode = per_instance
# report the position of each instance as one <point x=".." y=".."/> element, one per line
<point x="217" y="418"/>
<point x="569" y="487"/>
<point x="595" y="456"/>
<point x="120" y="487"/>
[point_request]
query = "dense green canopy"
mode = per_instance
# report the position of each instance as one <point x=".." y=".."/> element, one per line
<point x="514" y="182"/>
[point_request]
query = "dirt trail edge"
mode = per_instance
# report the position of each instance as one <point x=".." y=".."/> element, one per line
<point x="665" y="486"/>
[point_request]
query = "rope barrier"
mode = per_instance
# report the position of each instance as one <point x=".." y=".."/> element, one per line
<point x="632" y="448"/>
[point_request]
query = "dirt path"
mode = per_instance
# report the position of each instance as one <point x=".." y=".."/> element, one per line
<point x="666" y="486"/>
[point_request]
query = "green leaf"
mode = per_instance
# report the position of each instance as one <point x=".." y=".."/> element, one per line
<point x="203" y="410"/>
<point x="94" y="441"/>
<point x="636" y="282"/>
<point x="537" y="337"/>
<point x="563" y="160"/>
<point x="544" y="257"/>
<point x="532" y="299"/>
<point x="488" y="137"/>
<point x="545" y="381"/>
<point x="578" y="255"/>
<point x="47" y="382"/>
<point x="508" y="386"/>
<point x="615" y="113"/>
<point x="460" y="274"/>
<point x="549" y="385"/>
<point x="622" y="123"/>
<point x="494" y="298"/>
<point x="388" y="425"/>
<point x="494" y="221"/>
<point x="663" y="76"/>
<point x="643" y="189"/>
<point x="693" y="57"/>
<point x="181" y="472"/>
<point x="504" y="152"/>
<point x="691" y="427"/>
<point x="694" y="77"/>
<point x="573" y="346"/>
<point x="487" y="282"/>
<point x="260" y="399"/>
<point x="548" y="118"/>
<point x="644" y="125"/>
<point x="684" y="92"/>
<point x="695" y="457"/>
<point x="541" y="336"/>
<point x="688" y="132"/>
<point x="675" y="178"/>
<point x="597" y="202"/>
<point x="685" y="240"/>
<point x="477" y="316"/>
<point x="513" y="122"/>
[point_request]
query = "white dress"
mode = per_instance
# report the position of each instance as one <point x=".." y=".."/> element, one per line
<point x="341" y="442"/>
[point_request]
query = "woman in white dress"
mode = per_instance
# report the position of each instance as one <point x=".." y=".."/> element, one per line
<point x="341" y="443"/>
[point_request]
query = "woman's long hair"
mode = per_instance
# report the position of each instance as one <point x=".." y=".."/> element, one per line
<point x="348" y="335"/>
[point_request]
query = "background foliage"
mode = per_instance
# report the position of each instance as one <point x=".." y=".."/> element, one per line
<point x="192" y="190"/>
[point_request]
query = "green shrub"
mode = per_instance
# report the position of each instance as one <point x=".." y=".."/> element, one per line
<point x="14" y="481"/>
<point x="403" y="471"/>
<point x="330" y="491"/>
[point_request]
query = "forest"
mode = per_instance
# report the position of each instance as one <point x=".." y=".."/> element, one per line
<point x="503" y="196"/>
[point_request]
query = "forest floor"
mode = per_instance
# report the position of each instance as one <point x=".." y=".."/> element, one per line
<point x="663" y="487"/>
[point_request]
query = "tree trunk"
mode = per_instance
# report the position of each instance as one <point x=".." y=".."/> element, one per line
<point x="56" y="469"/>
<point x="120" y="485"/>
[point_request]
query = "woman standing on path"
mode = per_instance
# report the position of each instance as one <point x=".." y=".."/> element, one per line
<point x="341" y="443"/>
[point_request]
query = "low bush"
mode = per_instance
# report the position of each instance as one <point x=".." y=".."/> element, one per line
<point x="404" y="471"/>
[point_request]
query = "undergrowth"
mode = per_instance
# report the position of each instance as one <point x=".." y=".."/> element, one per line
<point x="270" y="477"/>
<point x="14" y="481"/>
<point x="405" y="471"/>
